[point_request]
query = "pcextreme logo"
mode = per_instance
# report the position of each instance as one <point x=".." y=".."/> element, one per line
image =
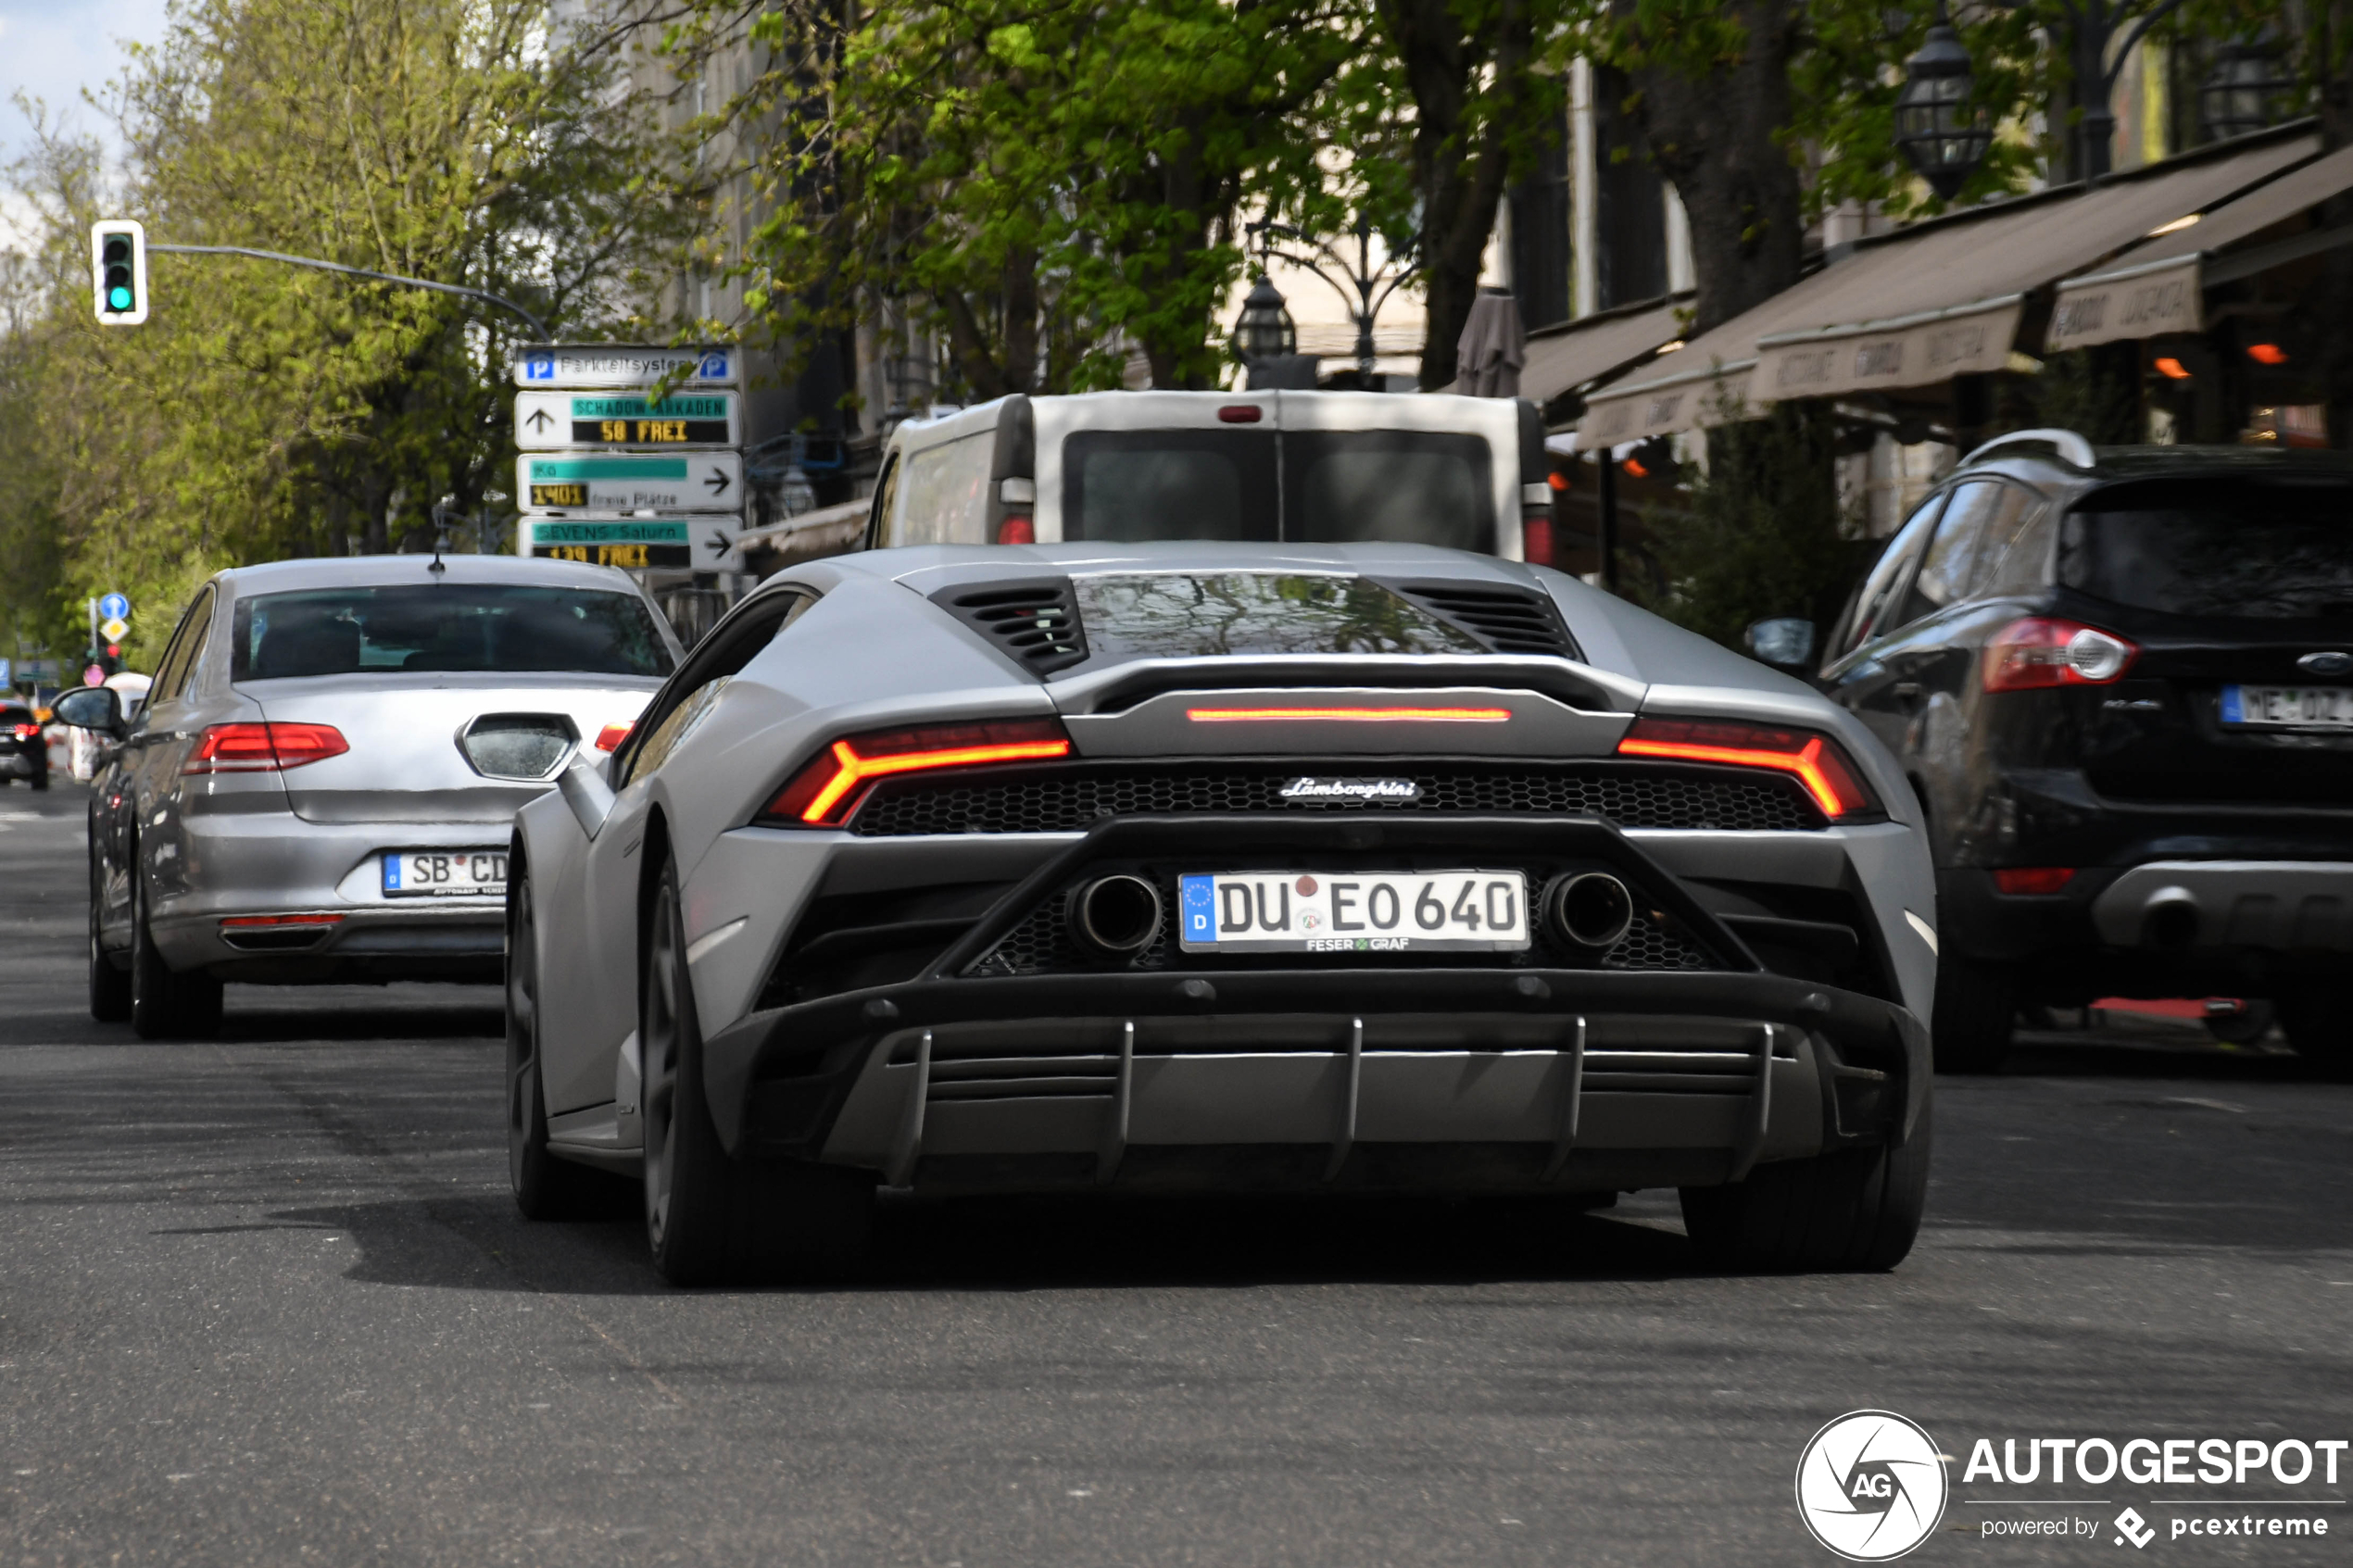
<point x="1869" y="1485"/>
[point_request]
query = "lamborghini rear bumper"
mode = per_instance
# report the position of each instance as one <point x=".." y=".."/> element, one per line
<point x="1431" y="1079"/>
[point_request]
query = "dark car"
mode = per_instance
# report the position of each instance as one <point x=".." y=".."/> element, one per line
<point x="2121" y="682"/>
<point x="24" y="754"/>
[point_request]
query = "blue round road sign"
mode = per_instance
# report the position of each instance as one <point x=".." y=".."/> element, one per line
<point x="114" y="606"/>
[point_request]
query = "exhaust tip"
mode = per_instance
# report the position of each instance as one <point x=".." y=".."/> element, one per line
<point x="1590" y="909"/>
<point x="1116" y="916"/>
<point x="2169" y="919"/>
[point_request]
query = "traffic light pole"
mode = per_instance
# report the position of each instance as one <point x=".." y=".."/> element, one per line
<point x="539" y="327"/>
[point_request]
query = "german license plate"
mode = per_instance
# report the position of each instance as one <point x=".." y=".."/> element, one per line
<point x="1352" y="912"/>
<point x="2302" y="708"/>
<point x="445" y="873"/>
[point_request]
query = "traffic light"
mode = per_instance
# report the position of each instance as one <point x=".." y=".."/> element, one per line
<point x="119" y="271"/>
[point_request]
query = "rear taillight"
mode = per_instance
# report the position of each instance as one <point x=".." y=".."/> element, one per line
<point x="1815" y="760"/>
<point x="825" y="792"/>
<point x="263" y="748"/>
<point x="611" y="735"/>
<point x="2034" y="880"/>
<point x="1017" y="531"/>
<point x="26" y="732"/>
<point x="2045" y="651"/>
<point x="1536" y="538"/>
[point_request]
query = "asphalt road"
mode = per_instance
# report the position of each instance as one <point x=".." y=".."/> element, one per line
<point x="266" y="1300"/>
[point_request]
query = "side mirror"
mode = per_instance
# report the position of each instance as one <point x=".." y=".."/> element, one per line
<point x="92" y="708"/>
<point x="584" y="790"/>
<point x="1786" y="641"/>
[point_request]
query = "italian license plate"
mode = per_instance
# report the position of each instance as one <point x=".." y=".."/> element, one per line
<point x="445" y="873"/>
<point x="1352" y="912"/>
<point x="2303" y="708"/>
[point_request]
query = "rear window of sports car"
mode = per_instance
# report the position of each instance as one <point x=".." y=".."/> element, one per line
<point x="1188" y="615"/>
<point x="456" y="628"/>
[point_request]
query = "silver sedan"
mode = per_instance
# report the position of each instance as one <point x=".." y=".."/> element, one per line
<point x="320" y="785"/>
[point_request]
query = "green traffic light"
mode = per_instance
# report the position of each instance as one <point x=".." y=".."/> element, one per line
<point x="119" y="298"/>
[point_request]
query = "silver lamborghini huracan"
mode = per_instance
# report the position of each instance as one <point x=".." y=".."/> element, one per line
<point x="1217" y="867"/>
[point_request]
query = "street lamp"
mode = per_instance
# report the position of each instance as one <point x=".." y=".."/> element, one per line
<point x="1263" y="330"/>
<point x="1362" y="287"/>
<point x="1941" y="133"/>
<point x="1932" y="126"/>
<point x="2240" y="96"/>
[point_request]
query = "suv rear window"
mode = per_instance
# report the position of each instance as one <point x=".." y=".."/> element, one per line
<point x="456" y="628"/>
<point x="2243" y="548"/>
<point x="1337" y="487"/>
<point x="1194" y="615"/>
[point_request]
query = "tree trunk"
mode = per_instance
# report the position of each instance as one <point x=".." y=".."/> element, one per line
<point x="1461" y="149"/>
<point x="1714" y="134"/>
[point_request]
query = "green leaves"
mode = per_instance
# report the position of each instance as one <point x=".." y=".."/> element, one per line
<point x="267" y="412"/>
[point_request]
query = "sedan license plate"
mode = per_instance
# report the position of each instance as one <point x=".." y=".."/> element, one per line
<point x="445" y="873"/>
<point x="1354" y="912"/>
<point x="2302" y="708"/>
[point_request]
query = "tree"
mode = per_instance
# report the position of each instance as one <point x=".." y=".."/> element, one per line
<point x="1468" y="87"/>
<point x="265" y="412"/>
<point x="1046" y="184"/>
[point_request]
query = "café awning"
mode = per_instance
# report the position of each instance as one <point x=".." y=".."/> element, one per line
<point x="1564" y="358"/>
<point x="1928" y="301"/>
<point x="2160" y="287"/>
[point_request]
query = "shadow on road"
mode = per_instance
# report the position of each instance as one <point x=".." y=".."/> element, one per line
<point x="1039" y="1244"/>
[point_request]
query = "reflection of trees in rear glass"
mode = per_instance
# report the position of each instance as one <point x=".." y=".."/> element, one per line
<point x="2259" y="560"/>
<point x="1392" y="497"/>
<point x="1135" y="496"/>
<point x="1179" y="615"/>
<point x="454" y="629"/>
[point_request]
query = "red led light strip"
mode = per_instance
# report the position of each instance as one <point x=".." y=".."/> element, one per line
<point x="857" y="770"/>
<point x="1806" y="763"/>
<point x="1351" y="715"/>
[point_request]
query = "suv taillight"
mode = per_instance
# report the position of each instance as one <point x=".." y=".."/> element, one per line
<point x="2045" y="651"/>
<point x="828" y="789"/>
<point x="263" y="748"/>
<point x="1815" y="760"/>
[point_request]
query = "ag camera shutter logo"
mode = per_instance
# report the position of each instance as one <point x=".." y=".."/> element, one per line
<point x="1869" y="1485"/>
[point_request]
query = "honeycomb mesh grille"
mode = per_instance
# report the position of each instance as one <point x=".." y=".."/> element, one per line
<point x="1068" y="799"/>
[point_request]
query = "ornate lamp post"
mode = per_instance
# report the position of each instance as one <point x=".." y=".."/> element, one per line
<point x="1362" y="286"/>
<point x="1933" y="125"/>
<point x="1263" y="330"/>
<point x="2246" y="83"/>
<point x="1942" y="135"/>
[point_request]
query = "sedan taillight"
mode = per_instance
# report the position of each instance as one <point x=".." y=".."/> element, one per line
<point x="27" y="732"/>
<point x="825" y="793"/>
<point x="263" y="748"/>
<point x="2045" y="651"/>
<point x="1816" y="761"/>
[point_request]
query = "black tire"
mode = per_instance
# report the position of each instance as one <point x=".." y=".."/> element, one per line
<point x="546" y="1188"/>
<point x="40" y="780"/>
<point x="1975" y="1008"/>
<point x="1854" y="1211"/>
<point x="711" y="1219"/>
<point x="109" y="983"/>
<point x="2319" y="1023"/>
<point x="164" y="1005"/>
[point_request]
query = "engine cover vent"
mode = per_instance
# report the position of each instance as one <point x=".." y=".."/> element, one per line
<point x="523" y="746"/>
<point x="1034" y="620"/>
<point x="1506" y="618"/>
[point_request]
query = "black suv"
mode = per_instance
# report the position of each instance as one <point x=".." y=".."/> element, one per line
<point x="2121" y="682"/>
<point x="23" y="753"/>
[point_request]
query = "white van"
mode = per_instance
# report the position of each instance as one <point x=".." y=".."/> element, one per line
<point x="1270" y="467"/>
